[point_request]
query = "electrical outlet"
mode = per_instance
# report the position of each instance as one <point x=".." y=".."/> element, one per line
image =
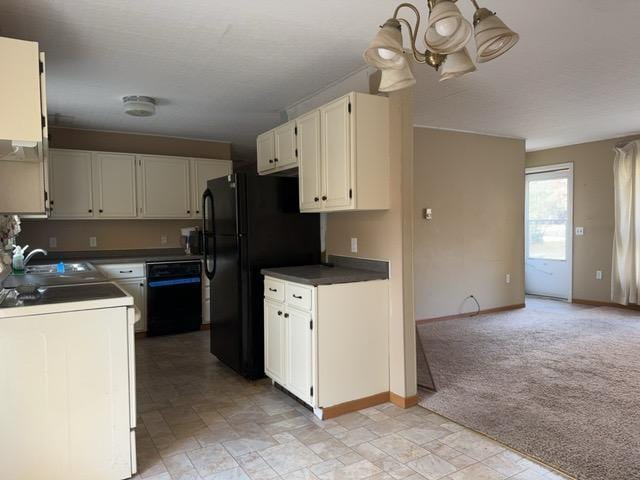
<point x="579" y="231"/>
<point x="598" y="274"/>
<point x="93" y="242"/>
<point x="507" y="278"/>
<point x="163" y="239"/>
<point x="53" y="242"/>
<point x="354" y="245"/>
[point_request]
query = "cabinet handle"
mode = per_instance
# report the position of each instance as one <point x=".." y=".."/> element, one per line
<point x="279" y="312"/>
<point x="142" y="284"/>
<point x="197" y="211"/>
<point x="270" y="161"/>
<point x="126" y="271"/>
<point x="316" y="199"/>
<point x="275" y="160"/>
<point x="273" y="289"/>
<point x="101" y="211"/>
<point x="324" y="197"/>
<point x="299" y="297"/>
<point x="90" y="211"/>
<point x="286" y="315"/>
<point x="188" y="211"/>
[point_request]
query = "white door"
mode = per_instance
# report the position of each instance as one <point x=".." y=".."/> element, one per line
<point x="285" y="139"/>
<point x="549" y="231"/>
<point x="71" y="184"/>
<point x="299" y="353"/>
<point x="136" y="288"/>
<point x="274" y="342"/>
<point x="309" y="166"/>
<point x="266" y="151"/>
<point x="115" y="185"/>
<point x="164" y="186"/>
<point x="336" y="153"/>
<point x="203" y="170"/>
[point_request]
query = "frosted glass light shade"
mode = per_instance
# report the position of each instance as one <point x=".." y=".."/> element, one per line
<point x="394" y="79"/>
<point x="385" y="51"/>
<point x="456" y="65"/>
<point x="493" y="37"/>
<point x="444" y="18"/>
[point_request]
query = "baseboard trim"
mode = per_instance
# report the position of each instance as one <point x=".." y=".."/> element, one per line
<point x="471" y="314"/>
<point x="403" y="402"/>
<point x="597" y="303"/>
<point x="354" y="405"/>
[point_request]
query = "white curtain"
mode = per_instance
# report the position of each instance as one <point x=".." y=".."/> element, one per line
<point x="625" y="275"/>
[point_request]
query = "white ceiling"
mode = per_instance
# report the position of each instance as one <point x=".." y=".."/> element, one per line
<point x="224" y="70"/>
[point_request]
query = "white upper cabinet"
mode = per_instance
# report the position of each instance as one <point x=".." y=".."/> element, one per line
<point x="266" y="146"/>
<point x="352" y="168"/>
<point x="309" y="154"/>
<point x="203" y="170"/>
<point x="114" y="185"/>
<point x="71" y="184"/>
<point x="20" y="95"/>
<point x="164" y="186"/>
<point x="285" y="138"/>
<point x="336" y="153"/>
<point x="277" y="149"/>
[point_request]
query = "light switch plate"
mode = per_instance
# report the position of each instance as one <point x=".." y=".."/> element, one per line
<point x="579" y="231"/>
<point x="53" y="242"/>
<point x="93" y="242"/>
<point x="354" y="245"/>
<point x="163" y="239"/>
<point x="507" y="278"/>
<point x="598" y="274"/>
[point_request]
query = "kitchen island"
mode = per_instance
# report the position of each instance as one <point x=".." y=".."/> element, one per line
<point x="326" y="333"/>
<point x="67" y="383"/>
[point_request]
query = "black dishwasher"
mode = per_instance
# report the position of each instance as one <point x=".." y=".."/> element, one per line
<point x="174" y="297"/>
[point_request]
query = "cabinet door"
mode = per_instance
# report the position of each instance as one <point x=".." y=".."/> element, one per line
<point x="71" y="184"/>
<point x="136" y="288"/>
<point x="266" y="152"/>
<point x="309" y="161"/>
<point x="203" y="170"/>
<point x="336" y="153"/>
<point x="285" y="139"/>
<point x="298" y="327"/>
<point x="164" y="186"/>
<point x="114" y="183"/>
<point x="275" y="342"/>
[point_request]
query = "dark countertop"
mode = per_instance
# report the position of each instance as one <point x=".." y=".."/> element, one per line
<point x="64" y="294"/>
<point x="105" y="257"/>
<point x="344" y="270"/>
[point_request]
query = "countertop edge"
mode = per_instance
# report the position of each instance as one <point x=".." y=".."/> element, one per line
<point x="365" y="276"/>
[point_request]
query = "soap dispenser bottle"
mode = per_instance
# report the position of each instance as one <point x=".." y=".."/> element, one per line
<point x="18" y="259"/>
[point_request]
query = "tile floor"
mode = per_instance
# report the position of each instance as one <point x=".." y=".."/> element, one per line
<point x="197" y="419"/>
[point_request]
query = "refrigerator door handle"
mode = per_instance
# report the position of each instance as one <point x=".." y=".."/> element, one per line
<point x="208" y="196"/>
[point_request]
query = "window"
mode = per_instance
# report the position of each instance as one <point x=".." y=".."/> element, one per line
<point x="548" y="219"/>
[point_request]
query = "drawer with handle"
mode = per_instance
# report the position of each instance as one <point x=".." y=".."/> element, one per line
<point x="274" y="289"/>
<point x="298" y="296"/>
<point x="122" y="270"/>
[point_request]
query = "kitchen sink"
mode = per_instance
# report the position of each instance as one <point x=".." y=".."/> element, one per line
<point x="52" y="268"/>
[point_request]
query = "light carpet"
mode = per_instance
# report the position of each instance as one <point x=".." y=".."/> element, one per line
<point x="558" y="382"/>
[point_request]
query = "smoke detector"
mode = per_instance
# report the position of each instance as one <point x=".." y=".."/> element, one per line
<point x="139" y="105"/>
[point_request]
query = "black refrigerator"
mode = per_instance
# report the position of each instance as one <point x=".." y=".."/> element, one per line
<point x="249" y="223"/>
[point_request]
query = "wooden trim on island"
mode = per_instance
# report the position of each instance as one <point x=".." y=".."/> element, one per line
<point x="471" y="314"/>
<point x="403" y="402"/>
<point x="354" y="405"/>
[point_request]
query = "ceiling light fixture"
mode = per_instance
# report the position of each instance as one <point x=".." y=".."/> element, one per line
<point x="446" y="37"/>
<point x="139" y="105"/>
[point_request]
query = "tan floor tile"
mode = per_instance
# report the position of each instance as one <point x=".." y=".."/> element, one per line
<point x="212" y="459"/>
<point x="289" y="457"/>
<point x="355" y="437"/>
<point x="505" y="464"/>
<point x="355" y="471"/>
<point x="424" y="434"/>
<point x="353" y="420"/>
<point x="386" y="427"/>
<point x="432" y="467"/>
<point x="472" y="444"/>
<point x="235" y="473"/>
<point x="401" y="449"/>
<point x="328" y="449"/>
<point x="243" y="446"/>
<point x="477" y="471"/>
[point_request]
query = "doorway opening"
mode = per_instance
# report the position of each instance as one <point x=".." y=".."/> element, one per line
<point x="549" y="231"/>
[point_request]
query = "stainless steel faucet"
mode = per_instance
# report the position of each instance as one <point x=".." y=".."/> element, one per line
<point x="32" y="253"/>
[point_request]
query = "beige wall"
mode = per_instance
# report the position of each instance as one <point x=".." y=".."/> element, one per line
<point x="74" y="235"/>
<point x="474" y="185"/>
<point x="592" y="209"/>
<point x="135" y="143"/>
<point x="384" y="235"/>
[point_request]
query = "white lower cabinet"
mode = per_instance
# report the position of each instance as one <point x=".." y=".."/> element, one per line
<point x="327" y="345"/>
<point x="136" y="287"/>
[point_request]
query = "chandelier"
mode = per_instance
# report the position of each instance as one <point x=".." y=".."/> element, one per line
<point x="446" y="37"/>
